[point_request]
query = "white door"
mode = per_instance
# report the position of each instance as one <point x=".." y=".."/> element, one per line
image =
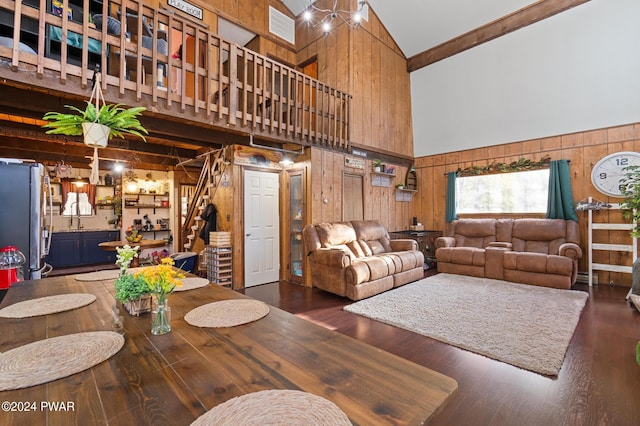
<point x="261" y="228"/>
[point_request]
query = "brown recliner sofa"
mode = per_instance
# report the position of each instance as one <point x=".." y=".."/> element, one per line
<point x="357" y="259"/>
<point x="542" y="252"/>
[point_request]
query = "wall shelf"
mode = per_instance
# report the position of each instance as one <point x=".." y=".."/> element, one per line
<point x="382" y="179"/>
<point x="405" y="195"/>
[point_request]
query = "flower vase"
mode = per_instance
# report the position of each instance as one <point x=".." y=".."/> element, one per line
<point x="161" y="316"/>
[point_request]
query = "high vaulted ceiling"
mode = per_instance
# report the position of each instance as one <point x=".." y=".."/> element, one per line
<point x="419" y="25"/>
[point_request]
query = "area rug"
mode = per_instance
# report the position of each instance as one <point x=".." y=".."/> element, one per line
<point x="57" y="357"/>
<point x="227" y="313"/>
<point x="47" y="305"/>
<point x="523" y="325"/>
<point x="275" y="407"/>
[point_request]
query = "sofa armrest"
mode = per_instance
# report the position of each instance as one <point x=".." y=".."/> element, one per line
<point x="571" y="250"/>
<point x="501" y="244"/>
<point x="336" y="258"/>
<point x="445" y="242"/>
<point x="403" y="245"/>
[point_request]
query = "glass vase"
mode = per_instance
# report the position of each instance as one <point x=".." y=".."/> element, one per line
<point x="161" y="316"/>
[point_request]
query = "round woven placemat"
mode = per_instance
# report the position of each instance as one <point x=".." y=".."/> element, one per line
<point x="191" y="283"/>
<point x="108" y="274"/>
<point x="227" y="313"/>
<point x="51" y="359"/>
<point x="275" y="407"/>
<point x="47" y="305"/>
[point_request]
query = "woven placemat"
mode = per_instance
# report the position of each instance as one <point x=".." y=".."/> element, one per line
<point x="191" y="283"/>
<point x="108" y="274"/>
<point x="47" y="305"/>
<point x="227" y="313"/>
<point x="50" y="359"/>
<point x="275" y="407"/>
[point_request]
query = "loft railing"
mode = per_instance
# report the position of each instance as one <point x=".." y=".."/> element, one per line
<point x="171" y="63"/>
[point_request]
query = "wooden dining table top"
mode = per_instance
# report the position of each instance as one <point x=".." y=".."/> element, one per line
<point x="176" y="377"/>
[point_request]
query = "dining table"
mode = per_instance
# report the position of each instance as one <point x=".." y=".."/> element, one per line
<point x="176" y="377"/>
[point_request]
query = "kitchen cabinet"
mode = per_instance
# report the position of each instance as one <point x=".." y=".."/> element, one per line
<point x="80" y="248"/>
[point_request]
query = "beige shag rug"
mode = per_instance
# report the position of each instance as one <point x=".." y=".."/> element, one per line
<point x="191" y="283"/>
<point x="51" y="359"/>
<point x="523" y="325"/>
<point x="275" y="407"/>
<point x="227" y="313"/>
<point x="47" y="305"/>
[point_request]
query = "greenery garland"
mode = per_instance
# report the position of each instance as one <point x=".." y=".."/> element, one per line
<point x="516" y="166"/>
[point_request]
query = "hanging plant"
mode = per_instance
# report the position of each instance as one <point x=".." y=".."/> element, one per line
<point x="98" y="122"/>
<point x="118" y="120"/>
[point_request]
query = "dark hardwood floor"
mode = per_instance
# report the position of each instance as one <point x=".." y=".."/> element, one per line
<point x="599" y="383"/>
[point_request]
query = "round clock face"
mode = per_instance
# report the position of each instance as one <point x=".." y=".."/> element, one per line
<point x="608" y="172"/>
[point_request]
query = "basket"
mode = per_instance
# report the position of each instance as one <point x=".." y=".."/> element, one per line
<point x="220" y="239"/>
<point x="138" y="306"/>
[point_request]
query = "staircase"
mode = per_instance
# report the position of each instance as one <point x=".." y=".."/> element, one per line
<point x="214" y="166"/>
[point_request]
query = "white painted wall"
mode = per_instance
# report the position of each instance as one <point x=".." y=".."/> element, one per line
<point x="576" y="71"/>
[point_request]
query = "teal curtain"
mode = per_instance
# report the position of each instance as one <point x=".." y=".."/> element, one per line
<point x="560" y="202"/>
<point x="450" y="213"/>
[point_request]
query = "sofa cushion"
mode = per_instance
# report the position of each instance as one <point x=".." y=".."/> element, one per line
<point x="539" y="235"/>
<point x="356" y="249"/>
<point x="336" y="233"/>
<point x="373" y="233"/>
<point x="538" y="262"/>
<point x="462" y="255"/>
<point x="475" y="232"/>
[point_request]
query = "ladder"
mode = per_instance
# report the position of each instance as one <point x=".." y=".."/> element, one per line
<point x="215" y="165"/>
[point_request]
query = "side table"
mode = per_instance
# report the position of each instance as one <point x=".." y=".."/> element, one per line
<point x="426" y="243"/>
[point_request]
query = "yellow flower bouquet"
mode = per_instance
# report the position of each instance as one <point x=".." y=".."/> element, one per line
<point x="162" y="279"/>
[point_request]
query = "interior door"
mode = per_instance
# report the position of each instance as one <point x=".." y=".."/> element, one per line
<point x="261" y="225"/>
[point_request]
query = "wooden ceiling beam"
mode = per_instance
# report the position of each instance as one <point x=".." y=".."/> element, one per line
<point x="528" y="15"/>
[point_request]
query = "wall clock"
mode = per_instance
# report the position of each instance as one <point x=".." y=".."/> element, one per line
<point x="609" y="170"/>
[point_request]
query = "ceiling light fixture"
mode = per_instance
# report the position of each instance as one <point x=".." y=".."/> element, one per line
<point x="351" y="18"/>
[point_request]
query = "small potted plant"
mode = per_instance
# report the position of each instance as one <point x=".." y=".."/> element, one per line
<point x="377" y="165"/>
<point x="131" y="290"/>
<point x="400" y="186"/>
<point x="134" y="294"/>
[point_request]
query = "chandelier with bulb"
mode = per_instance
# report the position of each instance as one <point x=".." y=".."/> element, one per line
<point x="328" y="21"/>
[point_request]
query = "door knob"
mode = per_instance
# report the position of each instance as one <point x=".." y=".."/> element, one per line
<point x="248" y="235"/>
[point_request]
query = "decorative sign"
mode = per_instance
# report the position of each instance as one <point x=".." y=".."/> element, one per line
<point x="354" y="163"/>
<point x="187" y="8"/>
<point x="359" y="153"/>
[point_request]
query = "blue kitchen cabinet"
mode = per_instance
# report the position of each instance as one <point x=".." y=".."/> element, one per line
<point x="80" y="248"/>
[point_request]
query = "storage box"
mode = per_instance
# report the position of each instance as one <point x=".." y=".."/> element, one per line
<point x="220" y="239"/>
<point x="416" y="227"/>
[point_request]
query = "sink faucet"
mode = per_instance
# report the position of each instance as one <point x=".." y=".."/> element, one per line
<point x="79" y="226"/>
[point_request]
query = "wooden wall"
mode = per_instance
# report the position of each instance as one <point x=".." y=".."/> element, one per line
<point x="367" y="64"/>
<point x="327" y="174"/>
<point x="583" y="149"/>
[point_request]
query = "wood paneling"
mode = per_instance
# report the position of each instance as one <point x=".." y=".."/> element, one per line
<point x="367" y="64"/>
<point x="583" y="149"/>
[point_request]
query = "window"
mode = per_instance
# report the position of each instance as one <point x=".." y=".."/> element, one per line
<point x="518" y="192"/>
<point x="74" y="208"/>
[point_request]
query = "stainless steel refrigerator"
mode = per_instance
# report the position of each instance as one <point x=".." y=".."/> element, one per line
<point x="24" y="195"/>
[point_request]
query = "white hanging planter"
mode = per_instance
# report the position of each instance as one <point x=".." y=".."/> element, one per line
<point x="96" y="135"/>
